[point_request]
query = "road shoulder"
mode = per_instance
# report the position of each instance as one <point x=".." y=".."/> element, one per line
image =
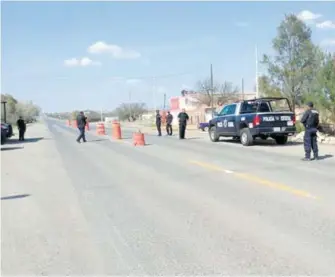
<point x="43" y="228"/>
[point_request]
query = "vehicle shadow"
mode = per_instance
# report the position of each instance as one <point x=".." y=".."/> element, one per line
<point x="264" y="143"/>
<point x="27" y="140"/>
<point x="18" y="196"/>
<point x="11" y="148"/>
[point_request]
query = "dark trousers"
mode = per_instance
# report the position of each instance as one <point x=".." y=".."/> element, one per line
<point x="159" y="128"/>
<point x="182" y="129"/>
<point x="81" y="134"/>
<point x="21" y="134"/>
<point x="169" y="129"/>
<point x="310" y="142"/>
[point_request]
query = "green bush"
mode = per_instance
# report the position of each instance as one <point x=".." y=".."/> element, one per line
<point x="300" y="127"/>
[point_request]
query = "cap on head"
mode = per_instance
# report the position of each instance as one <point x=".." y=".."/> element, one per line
<point x="310" y="104"/>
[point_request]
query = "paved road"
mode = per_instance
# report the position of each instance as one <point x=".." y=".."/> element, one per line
<point x="173" y="207"/>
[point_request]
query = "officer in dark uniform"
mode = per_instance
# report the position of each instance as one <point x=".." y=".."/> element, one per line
<point x="310" y="120"/>
<point x="159" y="123"/>
<point x="169" y="119"/>
<point x="183" y="118"/>
<point x="21" y="125"/>
<point x="81" y="122"/>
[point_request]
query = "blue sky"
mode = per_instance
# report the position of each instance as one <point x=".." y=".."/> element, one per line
<point x="174" y="41"/>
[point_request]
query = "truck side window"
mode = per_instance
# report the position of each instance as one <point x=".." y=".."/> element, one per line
<point x="232" y="109"/>
<point x="224" y="111"/>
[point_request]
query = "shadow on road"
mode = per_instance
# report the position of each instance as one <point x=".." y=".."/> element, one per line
<point x="10" y="148"/>
<point x="27" y="140"/>
<point x="97" y="140"/>
<point x="324" y="157"/>
<point x="264" y="143"/>
<point x="18" y="196"/>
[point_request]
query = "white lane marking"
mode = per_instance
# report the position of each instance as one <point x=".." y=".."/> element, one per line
<point x="228" y="171"/>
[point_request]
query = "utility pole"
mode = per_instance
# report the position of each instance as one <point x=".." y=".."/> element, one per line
<point x="164" y="101"/>
<point x="242" y="89"/>
<point x="212" y="91"/>
<point x="257" y="85"/>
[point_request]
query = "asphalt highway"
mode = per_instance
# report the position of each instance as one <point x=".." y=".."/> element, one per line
<point x="192" y="207"/>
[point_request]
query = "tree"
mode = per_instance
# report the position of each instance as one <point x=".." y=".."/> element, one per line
<point x="267" y="88"/>
<point x="292" y="67"/>
<point x="131" y="111"/>
<point x="222" y="93"/>
<point x="322" y="91"/>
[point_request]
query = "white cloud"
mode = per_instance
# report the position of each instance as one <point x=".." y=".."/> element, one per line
<point x="116" y="51"/>
<point x="133" y="81"/>
<point x="242" y="24"/>
<point x="328" y="24"/>
<point x="84" y="62"/>
<point x="306" y="15"/>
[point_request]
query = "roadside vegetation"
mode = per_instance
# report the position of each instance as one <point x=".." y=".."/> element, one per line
<point x="16" y="108"/>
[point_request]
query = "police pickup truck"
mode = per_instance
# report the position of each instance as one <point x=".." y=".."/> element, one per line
<point x="249" y="119"/>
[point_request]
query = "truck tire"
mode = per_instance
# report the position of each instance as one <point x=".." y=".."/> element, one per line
<point x="246" y="137"/>
<point x="281" y="140"/>
<point x="213" y="135"/>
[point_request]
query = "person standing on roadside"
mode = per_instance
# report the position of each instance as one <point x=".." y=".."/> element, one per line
<point x="81" y="122"/>
<point x="159" y="123"/>
<point x="310" y="120"/>
<point x="21" y="125"/>
<point x="183" y="118"/>
<point x="169" y="119"/>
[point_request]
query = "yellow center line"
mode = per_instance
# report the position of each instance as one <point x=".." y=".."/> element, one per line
<point x="256" y="180"/>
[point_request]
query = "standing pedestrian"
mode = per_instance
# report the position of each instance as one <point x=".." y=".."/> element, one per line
<point x="169" y="119"/>
<point x="159" y="123"/>
<point x="310" y="120"/>
<point x="81" y="122"/>
<point x="21" y="125"/>
<point x="183" y="118"/>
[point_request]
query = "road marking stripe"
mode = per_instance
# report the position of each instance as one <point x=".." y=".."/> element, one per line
<point x="256" y="179"/>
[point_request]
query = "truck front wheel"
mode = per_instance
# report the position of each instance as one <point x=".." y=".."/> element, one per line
<point x="246" y="137"/>
<point x="213" y="135"/>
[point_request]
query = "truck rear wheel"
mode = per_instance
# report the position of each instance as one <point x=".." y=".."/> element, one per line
<point x="246" y="137"/>
<point x="213" y="135"/>
<point x="281" y="140"/>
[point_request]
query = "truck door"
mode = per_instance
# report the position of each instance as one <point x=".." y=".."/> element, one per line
<point x="230" y="120"/>
<point x="221" y="122"/>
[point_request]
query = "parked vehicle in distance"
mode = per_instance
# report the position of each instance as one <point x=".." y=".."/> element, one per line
<point x="203" y="126"/>
<point x="8" y="129"/>
<point x="246" y="120"/>
<point x="3" y="134"/>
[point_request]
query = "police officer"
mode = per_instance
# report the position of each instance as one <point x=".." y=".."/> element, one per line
<point x="169" y="119"/>
<point x="310" y="120"/>
<point x="159" y="123"/>
<point x="183" y="118"/>
<point x="81" y="122"/>
<point x="21" y="125"/>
